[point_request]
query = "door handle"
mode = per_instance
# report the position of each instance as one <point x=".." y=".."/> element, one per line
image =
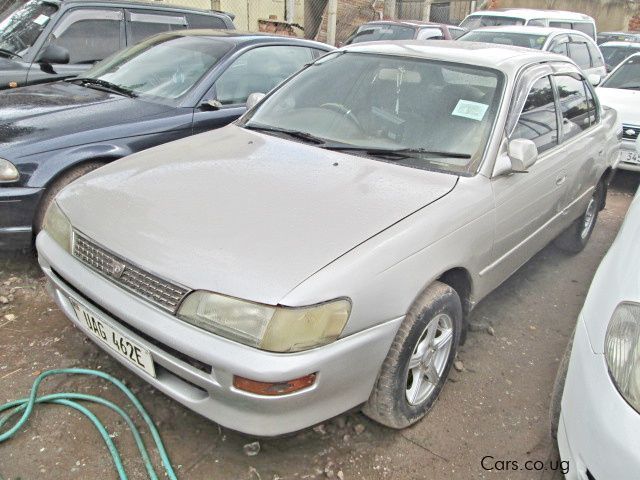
<point x="561" y="180"/>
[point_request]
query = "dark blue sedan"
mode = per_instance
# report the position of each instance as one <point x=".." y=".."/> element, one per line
<point x="165" y="88"/>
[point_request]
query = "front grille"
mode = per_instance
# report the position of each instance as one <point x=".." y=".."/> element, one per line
<point x="630" y="132"/>
<point x="160" y="292"/>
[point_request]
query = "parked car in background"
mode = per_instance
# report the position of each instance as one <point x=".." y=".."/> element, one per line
<point x="530" y="18"/>
<point x="579" y="47"/>
<point x="403" y="30"/>
<point x="324" y="251"/>
<point x="602" y="383"/>
<point x="167" y="87"/>
<point x="48" y="40"/>
<point x="621" y="91"/>
<point x="616" y="52"/>
<point x="604" y="37"/>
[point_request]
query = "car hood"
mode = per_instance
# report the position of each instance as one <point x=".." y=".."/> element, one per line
<point x="31" y="116"/>
<point x="242" y="213"/>
<point x="624" y="101"/>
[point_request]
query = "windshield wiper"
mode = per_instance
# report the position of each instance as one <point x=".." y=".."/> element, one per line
<point x="291" y="133"/>
<point x="399" y="153"/>
<point x="111" y="87"/>
<point x="9" y="53"/>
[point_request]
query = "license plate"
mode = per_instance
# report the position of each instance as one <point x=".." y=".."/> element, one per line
<point x="630" y="157"/>
<point x="127" y="348"/>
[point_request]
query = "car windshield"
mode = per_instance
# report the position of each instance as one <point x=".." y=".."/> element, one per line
<point x="528" y="40"/>
<point x="476" y="21"/>
<point x="370" y="33"/>
<point x="614" y="55"/>
<point x="419" y="113"/>
<point x="627" y="76"/>
<point x="20" y="30"/>
<point x="164" y="67"/>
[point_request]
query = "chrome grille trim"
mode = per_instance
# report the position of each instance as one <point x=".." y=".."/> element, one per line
<point x="630" y="136"/>
<point x="160" y="292"/>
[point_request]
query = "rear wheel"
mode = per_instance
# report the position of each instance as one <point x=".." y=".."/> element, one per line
<point x="575" y="238"/>
<point x="419" y="359"/>
<point x="57" y="185"/>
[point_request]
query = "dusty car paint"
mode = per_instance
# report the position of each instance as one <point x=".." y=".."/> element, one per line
<point x="269" y="220"/>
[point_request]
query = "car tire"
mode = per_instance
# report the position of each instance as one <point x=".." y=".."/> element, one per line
<point x="417" y="365"/>
<point x="558" y="389"/>
<point x="575" y="238"/>
<point x="58" y="184"/>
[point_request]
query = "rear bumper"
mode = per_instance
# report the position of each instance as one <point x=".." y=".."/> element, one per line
<point x="18" y="206"/>
<point x="599" y="432"/>
<point x="625" y="147"/>
<point x="346" y="369"/>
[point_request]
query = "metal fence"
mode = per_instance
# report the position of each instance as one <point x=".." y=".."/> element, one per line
<point x="311" y="18"/>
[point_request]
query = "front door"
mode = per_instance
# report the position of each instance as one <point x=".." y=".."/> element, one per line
<point x="88" y="34"/>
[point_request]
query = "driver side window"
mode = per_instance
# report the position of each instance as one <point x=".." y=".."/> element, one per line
<point x="538" y="121"/>
<point x="259" y="70"/>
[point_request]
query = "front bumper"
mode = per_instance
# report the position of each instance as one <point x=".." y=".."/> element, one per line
<point x="626" y="147"/>
<point x="196" y="368"/>
<point x="599" y="432"/>
<point x="18" y="206"/>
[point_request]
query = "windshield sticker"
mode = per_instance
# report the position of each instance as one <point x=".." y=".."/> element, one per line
<point x="41" y="20"/>
<point x="471" y="110"/>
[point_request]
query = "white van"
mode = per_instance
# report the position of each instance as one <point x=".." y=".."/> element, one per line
<point x="531" y="17"/>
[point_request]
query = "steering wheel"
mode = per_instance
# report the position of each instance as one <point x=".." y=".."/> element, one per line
<point x="336" y="107"/>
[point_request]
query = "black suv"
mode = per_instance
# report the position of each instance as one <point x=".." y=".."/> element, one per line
<point x="48" y="40"/>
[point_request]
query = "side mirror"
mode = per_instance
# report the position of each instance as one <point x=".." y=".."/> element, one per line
<point x="522" y="153"/>
<point x="54" y="54"/>
<point x="594" y="79"/>
<point x="254" y="99"/>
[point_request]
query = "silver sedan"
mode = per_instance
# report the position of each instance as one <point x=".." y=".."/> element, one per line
<point x="325" y="251"/>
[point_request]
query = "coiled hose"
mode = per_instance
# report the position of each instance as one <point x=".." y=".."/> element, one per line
<point x="26" y="406"/>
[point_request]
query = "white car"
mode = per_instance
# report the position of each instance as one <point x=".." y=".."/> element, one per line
<point x="599" y="425"/>
<point x="578" y="46"/>
<point x="621" y="91"/>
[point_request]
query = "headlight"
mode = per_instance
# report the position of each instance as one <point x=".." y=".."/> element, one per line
<point x="8" y="171"/>
<point x="58" y="226"/>
<point x="277" y="329"/>
<point x="622" y="351"/>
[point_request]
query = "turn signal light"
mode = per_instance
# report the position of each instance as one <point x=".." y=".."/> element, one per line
<point x="273" y="388"/>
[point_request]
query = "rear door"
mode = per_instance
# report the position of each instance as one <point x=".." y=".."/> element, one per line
<point x="89" y="35"/>
<point x="142" y="24"/>
<point x="257" y="70"/>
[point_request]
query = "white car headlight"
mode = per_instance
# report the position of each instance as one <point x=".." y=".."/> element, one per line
<point x="276" y="329"/>
<point x="622" y="351"/>
<point x="8" y="171"/>
<point x="58" y="226"/>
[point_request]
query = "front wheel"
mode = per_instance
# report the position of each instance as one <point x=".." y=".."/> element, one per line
<point x="575" y="238"/>
<point x="419" y="359"/>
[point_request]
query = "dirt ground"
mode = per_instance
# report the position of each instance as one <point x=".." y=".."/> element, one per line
<point x="496" y="406"/>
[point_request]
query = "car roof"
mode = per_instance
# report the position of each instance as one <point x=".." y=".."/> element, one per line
<point x="502" y="57"/>
<point x="531" y="30"/>
<point x="412" y="23"/>
<point x="143" y="4"/>
<point x="532" y="13"/>
<point x="621" y="44"/>
<point x="240" y="37"/>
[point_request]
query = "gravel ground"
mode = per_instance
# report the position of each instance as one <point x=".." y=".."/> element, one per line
<point x="495" y="403"/>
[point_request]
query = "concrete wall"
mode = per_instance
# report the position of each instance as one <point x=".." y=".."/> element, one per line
<point x="609" y="14"/>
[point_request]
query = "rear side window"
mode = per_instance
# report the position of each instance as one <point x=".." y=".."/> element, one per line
<point x="205" y="21"/>
<point x="538" y="121"/>
<point x="574" y="105"/>
<point x="143" y="25"/>
<point x="537" y="23"/>
<point x="587" y="28"/>
<point x="579" y="53"/>
<point x="556" y="24"/>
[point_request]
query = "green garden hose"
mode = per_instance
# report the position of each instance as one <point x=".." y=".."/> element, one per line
<point x="26" y="406"/>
